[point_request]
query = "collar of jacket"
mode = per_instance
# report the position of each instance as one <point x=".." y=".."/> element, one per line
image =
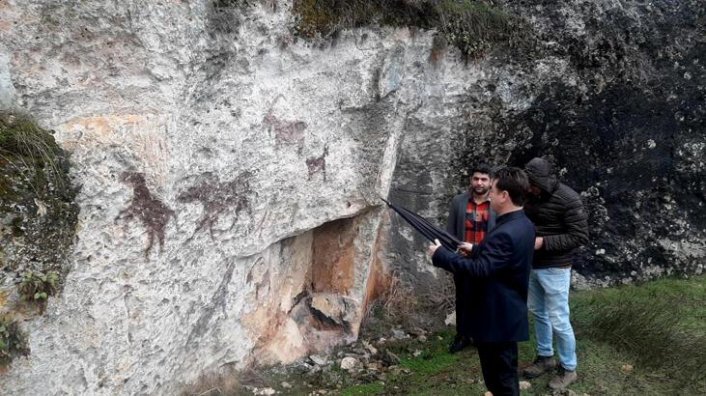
<point x="509" y="216"/>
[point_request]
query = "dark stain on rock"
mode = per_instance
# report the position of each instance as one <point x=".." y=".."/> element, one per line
<point x="224" y="17"/>
<point x="153" y="214"/>
<point x="618" y="147"/>
<point x="624" y="125"/>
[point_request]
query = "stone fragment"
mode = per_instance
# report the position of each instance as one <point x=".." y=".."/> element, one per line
<point x="318" y="360"/>
<point x="264" y="391"/>
<point x="370" y="348"/>
<point x="399" y="334"/>
<point x="450" y="319"/>
<point x="418" y="332"/>
<point x="333" y="307"/>
<point x="349" y="363"/>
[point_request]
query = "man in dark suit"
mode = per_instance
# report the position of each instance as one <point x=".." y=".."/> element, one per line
<point x="470" y="219"/>
<point x="501" y="267"/>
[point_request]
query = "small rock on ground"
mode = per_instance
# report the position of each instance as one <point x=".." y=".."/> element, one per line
<point x="349" y="363"/>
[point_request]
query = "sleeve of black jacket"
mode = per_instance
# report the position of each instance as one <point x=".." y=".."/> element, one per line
<point x="576" y="224"/>
<point x="494" y="255"/>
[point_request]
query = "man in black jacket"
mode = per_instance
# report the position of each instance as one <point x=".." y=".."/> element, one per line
<point x="561" y="225"/>
<point x="500" y="266"/>
<point x="470" y="219"/>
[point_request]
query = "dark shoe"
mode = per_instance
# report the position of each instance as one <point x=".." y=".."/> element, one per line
<point x="459" y="343"/>
<point x="541" y="365"/>
<point x="563" y="379"/>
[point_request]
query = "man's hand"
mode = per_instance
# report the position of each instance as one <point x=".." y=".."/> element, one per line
<point x="538" y="243"/>
<point x="464" y="249"/>
<point x="432" y="248"/>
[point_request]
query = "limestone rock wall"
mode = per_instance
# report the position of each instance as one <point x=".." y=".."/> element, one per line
<point x="229" y="175"/>
<point x="229" y="170"/>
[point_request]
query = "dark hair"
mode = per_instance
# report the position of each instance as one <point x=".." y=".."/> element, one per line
<point x="514" y="181"/>
<point x="481" y="168"/>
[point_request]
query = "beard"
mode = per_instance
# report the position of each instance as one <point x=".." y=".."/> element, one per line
<point x="481" y="190"/>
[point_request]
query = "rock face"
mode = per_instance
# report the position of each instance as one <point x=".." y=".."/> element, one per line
<point x="228" y="176"/>
<point x="229" y="170"/>
<point x="613" y="95"/>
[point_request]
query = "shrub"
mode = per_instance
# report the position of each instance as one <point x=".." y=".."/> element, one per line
<point x="38" y="286"/>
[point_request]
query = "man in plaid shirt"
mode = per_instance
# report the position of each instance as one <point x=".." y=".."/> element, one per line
<point x="470" y="219"/>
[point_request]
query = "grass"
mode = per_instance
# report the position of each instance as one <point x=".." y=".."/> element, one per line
<point x="434" y="370"/>
<point x="24" y="145"/>
<point x="660" y="323"/>
<point x="364" y="389"/>
<point x="473" y="26"/>
<point x="34" y="174"/>
<point x="633" y="340"/>
<point x="325" y="17"/>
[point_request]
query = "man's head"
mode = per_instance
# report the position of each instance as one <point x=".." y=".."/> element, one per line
<point x="480" y="180"/>
<point x="541" y="175"/>
<point x="508" y="188"/>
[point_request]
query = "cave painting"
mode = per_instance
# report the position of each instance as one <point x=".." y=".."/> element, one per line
<point x="151" y="211"/>
<point x="317" y="164"/>
<point x="286" y="132"/>
<point x="219" y="197"/>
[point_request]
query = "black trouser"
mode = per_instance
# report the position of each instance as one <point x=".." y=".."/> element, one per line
<point x="461" y="305"/>
<point x="498" y="360"/>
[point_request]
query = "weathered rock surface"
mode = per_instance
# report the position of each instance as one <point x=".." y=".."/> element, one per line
<point x="229" y="171"/>
<point x="614" y="96"/>
<point x="229" y="178"/>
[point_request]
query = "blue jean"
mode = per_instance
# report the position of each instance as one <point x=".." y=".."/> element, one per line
<point x="548" y="301"/>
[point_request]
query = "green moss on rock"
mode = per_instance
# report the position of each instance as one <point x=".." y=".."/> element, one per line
<point x="323" y="17"/>
<point x="38" y="215"/>
<point x="13" y="341"/>
<point x="473" y="26"/>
